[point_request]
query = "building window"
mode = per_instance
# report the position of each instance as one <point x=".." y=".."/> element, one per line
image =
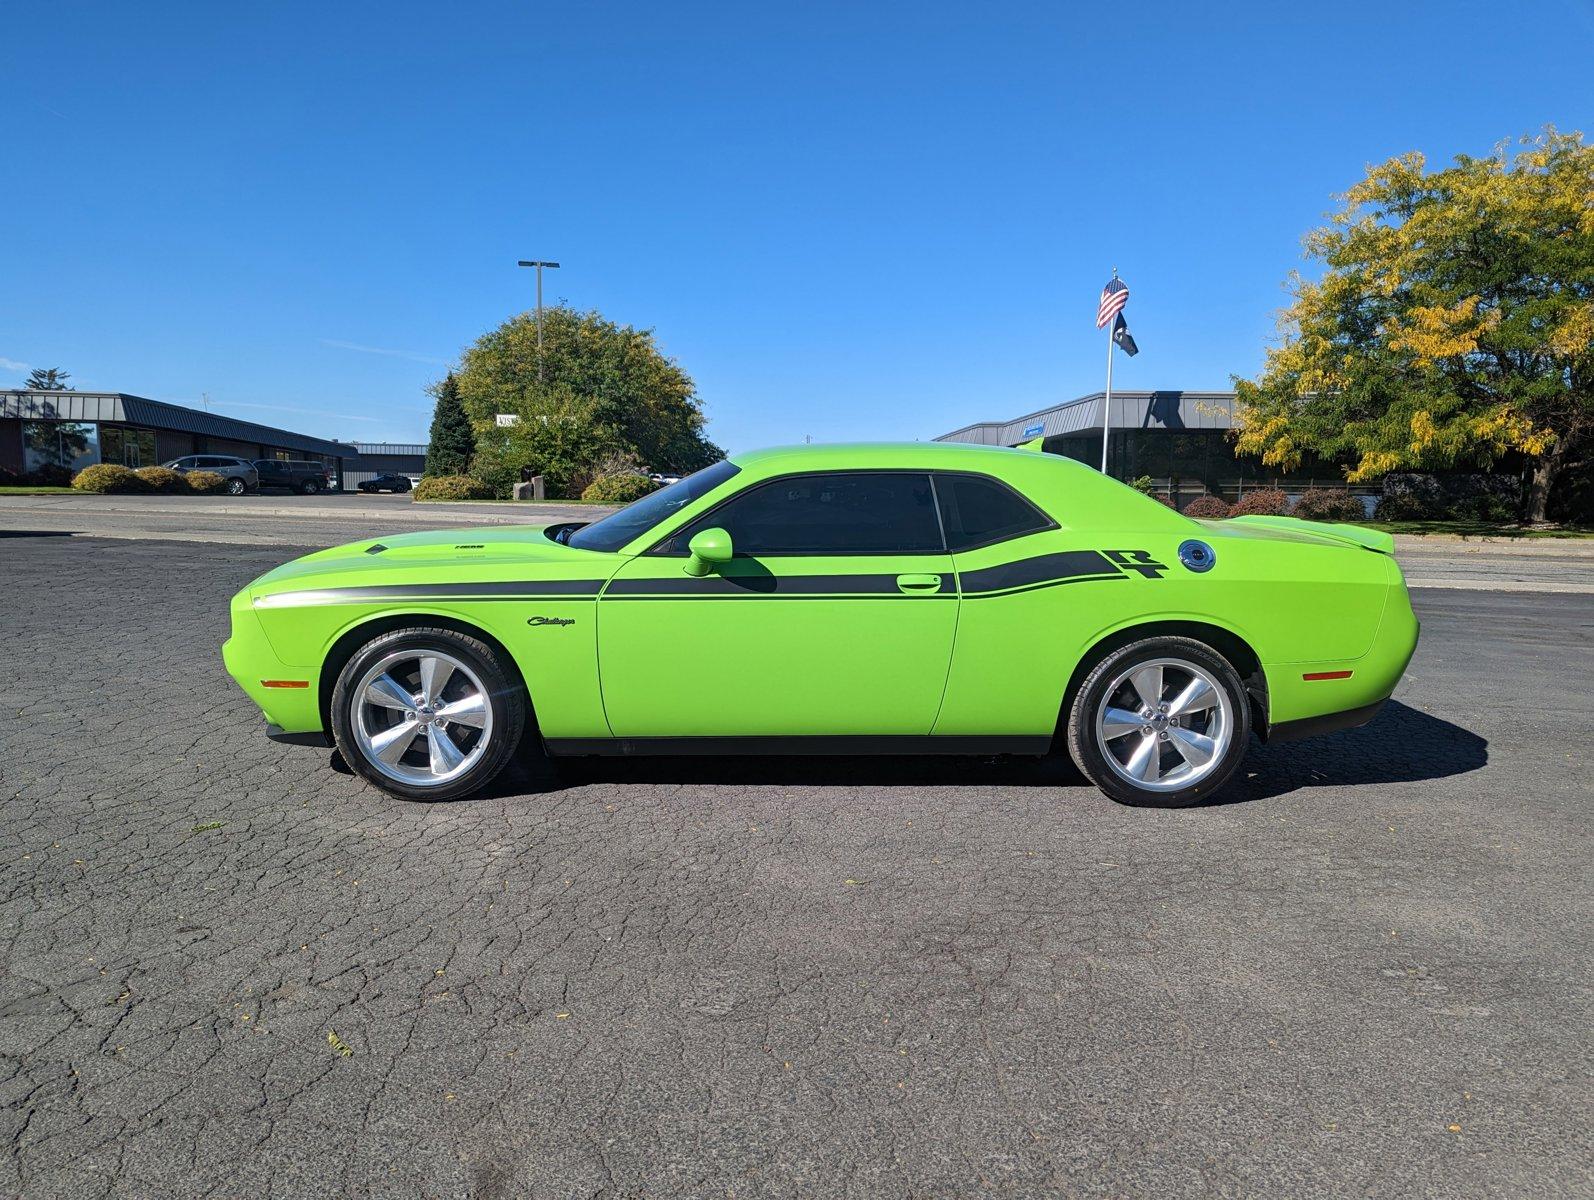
<point x="70" y="444"/>
<point x="129" y="447"/>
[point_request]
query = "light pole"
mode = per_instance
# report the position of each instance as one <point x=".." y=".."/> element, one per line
<point x="552" y="266"/>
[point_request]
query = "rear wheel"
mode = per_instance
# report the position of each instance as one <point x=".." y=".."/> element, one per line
<point x="427" y="714"/>
<point x="1163" y="722"/>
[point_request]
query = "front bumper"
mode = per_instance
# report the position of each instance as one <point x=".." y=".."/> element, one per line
<point x="289" y="696"/>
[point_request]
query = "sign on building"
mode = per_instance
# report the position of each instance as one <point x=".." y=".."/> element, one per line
<point x="507" y="419"/>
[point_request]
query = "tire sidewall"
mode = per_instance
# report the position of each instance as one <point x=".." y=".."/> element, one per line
<point x="236" y="486"/>
<point x="1088" y="755"/>
<point x="504" y="695"/>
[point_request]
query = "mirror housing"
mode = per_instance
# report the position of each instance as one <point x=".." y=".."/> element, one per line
<point x="708" y="549"/>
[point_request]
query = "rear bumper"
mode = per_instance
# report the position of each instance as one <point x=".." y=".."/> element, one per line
<point x="1309" y="698"/>
<point x="1309" y="727"/>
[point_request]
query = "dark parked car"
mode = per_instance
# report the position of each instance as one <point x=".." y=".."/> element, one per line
<point x="296" y="475"/>
<point x="386" y="483"/>
<point x="240" y="475"/>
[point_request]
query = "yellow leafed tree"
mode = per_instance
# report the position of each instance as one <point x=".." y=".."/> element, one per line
<point x="1453" y="322"/>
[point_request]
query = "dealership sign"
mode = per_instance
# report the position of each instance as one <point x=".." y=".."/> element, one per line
<point x="1034" y="430"/>
<point x="506" y="419"/>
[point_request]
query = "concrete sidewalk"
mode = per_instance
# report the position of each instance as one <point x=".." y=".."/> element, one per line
<point x="268" y="520"/>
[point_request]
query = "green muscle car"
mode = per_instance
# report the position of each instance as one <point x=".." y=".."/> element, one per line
<point x="898" y="599"/>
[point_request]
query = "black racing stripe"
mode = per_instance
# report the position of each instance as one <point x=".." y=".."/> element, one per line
<point x="893" y="595"/>
<point x="546" y="589"/>
<point x="762" y="586"/>
<point x="1035" y="587"/>
<point x="1064" y="567"/>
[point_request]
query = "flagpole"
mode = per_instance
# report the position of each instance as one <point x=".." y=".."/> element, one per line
<point x="1106" y="404"/>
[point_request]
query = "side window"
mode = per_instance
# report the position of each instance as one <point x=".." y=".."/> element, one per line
<point x="978" y="511"/>
<point x="889" y="512"/>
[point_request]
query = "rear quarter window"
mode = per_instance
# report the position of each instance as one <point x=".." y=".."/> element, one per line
<point x="977" y="510"/>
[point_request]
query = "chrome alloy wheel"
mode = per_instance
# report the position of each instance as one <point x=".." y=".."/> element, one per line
<point x="421" y="717"/>
<point x="1164" y="724"/>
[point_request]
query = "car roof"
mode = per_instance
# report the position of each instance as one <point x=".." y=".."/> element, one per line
<point x="950" y="456"/>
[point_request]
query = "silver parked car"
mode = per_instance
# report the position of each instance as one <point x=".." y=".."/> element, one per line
<point x="239" y="473"/>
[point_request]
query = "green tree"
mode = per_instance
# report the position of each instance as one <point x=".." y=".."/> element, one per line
<point x="1453" y="323"/>
<point x="625" y="384"/>
<point x="47" y="379"/>
<point x="451" y="444"/>
<point x="557" y="434"/>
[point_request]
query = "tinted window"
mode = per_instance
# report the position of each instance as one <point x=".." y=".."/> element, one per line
<point x="636" y="518"/>
<point x="846" y="513"/>
<point x="977" y="511"/>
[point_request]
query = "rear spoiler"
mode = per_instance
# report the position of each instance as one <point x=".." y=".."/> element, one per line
<point x="1355" y="535"/>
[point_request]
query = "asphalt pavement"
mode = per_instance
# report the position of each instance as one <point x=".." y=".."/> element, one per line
<point x="229" y="968"/>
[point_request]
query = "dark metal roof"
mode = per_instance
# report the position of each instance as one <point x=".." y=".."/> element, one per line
<point x="157" y="414"/>
<point x="1130" y="410"/>
<point x="391" y="447"/>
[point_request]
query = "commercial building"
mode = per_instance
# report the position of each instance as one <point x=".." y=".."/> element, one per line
<point x="1181" y="440"/>
<point x="384" y="458"/>
<point x="72" y="430"/>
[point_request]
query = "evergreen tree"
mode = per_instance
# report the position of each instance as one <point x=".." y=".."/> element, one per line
<point x="453" y="443"/>
<point x="48" y="379"/>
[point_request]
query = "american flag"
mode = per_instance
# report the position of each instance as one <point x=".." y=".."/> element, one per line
<point x="1113" y="298"/>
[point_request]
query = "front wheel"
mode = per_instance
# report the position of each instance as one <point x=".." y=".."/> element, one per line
<point x="235" y="487"/>
<point x="310" y="487"/>
<point x="427" y="714"/>
<point x="1161" y="723"/>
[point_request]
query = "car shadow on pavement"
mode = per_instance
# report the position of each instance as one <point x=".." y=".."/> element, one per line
<point x="1400" y="745"/>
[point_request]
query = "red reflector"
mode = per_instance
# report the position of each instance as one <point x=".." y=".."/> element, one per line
<point x="287" y="683"/>
<point x="1312" y="675"/>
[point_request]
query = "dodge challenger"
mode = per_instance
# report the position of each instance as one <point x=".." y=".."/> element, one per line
<point x="871" y="599"/>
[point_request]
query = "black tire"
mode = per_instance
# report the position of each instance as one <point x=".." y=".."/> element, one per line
<point x="309" y="487"/>
<point x="502" y="689"/>
<point x="236" y="486"/>
<point x="1102" y="685"/>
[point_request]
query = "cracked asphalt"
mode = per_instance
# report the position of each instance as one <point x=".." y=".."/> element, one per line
<point x="1366" y="972"/>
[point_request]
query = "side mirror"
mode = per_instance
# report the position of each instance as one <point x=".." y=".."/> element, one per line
<point x="708" y="550"/>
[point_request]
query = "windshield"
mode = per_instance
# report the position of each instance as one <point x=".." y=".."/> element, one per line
<point x="636" y="518"/>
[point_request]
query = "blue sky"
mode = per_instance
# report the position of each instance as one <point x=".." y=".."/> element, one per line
<point x="844" y="220"/>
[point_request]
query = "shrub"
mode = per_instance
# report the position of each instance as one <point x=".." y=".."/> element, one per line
<point x="1208" y="508"/>
<point x="109" y="479"/>
<point x="1165" y="500"/>
<point x="1263" y="502"/>
<point x="206" y="483"/>
<point x="1402" y="507"/>
<point x="163" y="480"/>
<point x="45" y="476"/>
<point x="618" y="489"/>
<point x="1144" y="485"/>
<point x="1487" y="508"/>
<point x="1329" y="504"/>
<point x="451" y="487"/>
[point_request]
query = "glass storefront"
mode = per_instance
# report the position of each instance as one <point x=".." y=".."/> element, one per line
<point x="70" y="444"/>
<point x="129" y="447"/>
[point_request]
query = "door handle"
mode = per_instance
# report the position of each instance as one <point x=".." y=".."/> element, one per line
<point x="918" y="583"/>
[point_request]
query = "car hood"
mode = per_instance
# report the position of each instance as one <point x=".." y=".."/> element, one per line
<point x="519" y="552"/>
